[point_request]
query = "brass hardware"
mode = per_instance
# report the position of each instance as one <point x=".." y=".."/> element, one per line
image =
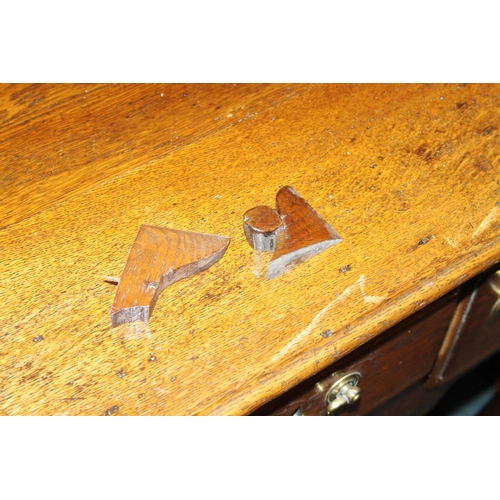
<point x="344" y="391"/>
<point x="494" y="282"/>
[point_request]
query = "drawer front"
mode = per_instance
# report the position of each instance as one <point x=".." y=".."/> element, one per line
<point x="388" y="364"/>
<point x="480" y="335"/>
<point x="415" y="400"/>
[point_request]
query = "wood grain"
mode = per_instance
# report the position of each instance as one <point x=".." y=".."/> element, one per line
<point x="306" y="234"/>
<point x="388" y="166"/>
<point x="159" y="257"/>
<point x="59" y="140"/>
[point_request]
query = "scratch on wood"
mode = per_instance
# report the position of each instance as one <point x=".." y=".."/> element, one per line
<point x="371" y="299"/>
<point x="450" y="242"/>
<point x="308" y="329"/>
<point x="486" y="221"/>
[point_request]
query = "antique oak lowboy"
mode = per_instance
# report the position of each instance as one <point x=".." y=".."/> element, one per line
<point x="408" y="175"/>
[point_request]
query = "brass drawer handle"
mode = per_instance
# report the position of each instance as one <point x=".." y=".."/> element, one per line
<point x="494" y="282"/>
<point x="344" y="391"/>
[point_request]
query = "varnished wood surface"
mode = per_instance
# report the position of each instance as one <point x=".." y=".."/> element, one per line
<point x="407" y="174"/>
<point x="58" y="140"/>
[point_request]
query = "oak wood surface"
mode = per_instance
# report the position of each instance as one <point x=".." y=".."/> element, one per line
<point x="407" y="174"/>
<point x="58" y="140"/>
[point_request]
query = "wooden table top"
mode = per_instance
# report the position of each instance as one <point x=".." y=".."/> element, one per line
<point x="408" y="175"/>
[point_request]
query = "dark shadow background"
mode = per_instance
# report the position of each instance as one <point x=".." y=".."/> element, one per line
<point x="475" y="393"/>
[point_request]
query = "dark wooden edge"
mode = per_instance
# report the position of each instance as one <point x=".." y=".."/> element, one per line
<point x="466" y="299"/>
<point x="367" y="348"/>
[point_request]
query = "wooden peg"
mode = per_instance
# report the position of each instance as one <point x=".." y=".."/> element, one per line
<point x="262" y="226"/>
<point x="158" y="258"/>
<point x="111" y="279"/>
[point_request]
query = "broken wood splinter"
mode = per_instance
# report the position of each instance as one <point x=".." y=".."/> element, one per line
<point x="158" y="258"/>
<point x="295" y="231"/>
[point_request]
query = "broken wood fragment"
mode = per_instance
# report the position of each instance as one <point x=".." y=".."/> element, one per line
<point x="306" y="233"/>
<point x="158" y="258"/>
<point x="295" y="231"/>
